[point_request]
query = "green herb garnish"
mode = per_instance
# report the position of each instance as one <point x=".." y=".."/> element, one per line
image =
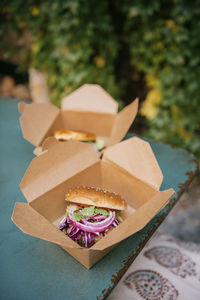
<point x="101" y="211"/>
<point x="88" y="211"/>
<point x="76" y="217"/>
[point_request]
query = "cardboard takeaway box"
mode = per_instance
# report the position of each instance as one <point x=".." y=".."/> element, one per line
<point x="128" y="169"/>
<point x="90" y="108"/>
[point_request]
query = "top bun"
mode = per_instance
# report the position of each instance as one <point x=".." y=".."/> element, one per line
<point x="65" y="135"/>
<point x="97" y="197"/>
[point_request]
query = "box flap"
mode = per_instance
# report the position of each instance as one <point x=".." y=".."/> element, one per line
<point x="91" y="98"/>
<point x="135" y="221"/>
<point x="36" y="119"/>
<point x="137" y="158"/>
<point x="62" y="161"/>
<point x="122" y="122"/>
<point x="32" y="223"/>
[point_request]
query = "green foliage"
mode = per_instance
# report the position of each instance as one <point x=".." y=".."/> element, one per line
<point x="164" y="42"/>
<point x="71" y="42"/>
<point x="112" y="43"/>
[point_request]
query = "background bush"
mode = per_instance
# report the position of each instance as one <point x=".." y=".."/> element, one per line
<point x="146" y="48"/>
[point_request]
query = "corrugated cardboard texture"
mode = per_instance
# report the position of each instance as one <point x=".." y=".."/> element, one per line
<point x="63" y="166"/>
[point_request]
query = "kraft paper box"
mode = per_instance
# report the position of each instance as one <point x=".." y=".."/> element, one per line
<point x="128" y="169"/>
<point x="90" y="108"/>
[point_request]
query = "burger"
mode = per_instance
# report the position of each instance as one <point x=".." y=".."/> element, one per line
<point x="90" y="214"/>
<point x="87" y="137"/>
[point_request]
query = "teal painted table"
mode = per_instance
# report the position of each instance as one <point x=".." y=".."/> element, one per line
<point x="31" y="268"/>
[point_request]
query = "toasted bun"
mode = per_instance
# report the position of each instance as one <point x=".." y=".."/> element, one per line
<point x="97" y="197"/>
<point x="65" y="135"/>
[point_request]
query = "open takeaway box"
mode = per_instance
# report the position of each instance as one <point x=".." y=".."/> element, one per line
<point x="128" y="169"/>
<point x="90" y="108"/>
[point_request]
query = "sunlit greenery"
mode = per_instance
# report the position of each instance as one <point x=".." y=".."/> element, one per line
<point x="113" y="43"/>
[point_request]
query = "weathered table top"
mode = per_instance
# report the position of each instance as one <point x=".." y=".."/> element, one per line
<point x="31" y="268"/>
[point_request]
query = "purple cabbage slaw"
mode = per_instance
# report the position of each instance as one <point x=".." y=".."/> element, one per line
<point x="89" y="228"/>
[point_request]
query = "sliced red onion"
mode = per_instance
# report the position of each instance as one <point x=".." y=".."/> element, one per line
<point x="116" y="221"/>
<point x="95" y="227"/>
<point x="95" y="218"/>
<point x="91" y="238"/>
<point x="70" y="230"/>
<point x="100" y="224"/>
<point x="63" y="223"/>
<point x="96" y="233"/>
<point x="86" y="240"/>
<point x="72" y="208"/>
<point x="114" y="224"/>
<point x="99" y="218"/>
<point x="73" y="233"/>
<point x="78" y="236"/>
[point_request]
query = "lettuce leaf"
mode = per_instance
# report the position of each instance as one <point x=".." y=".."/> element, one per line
<point x="99" y="144"/>
<point x="76" y="217"/>
<point x="88" y="211"/>
<point x="101" y="211"/>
